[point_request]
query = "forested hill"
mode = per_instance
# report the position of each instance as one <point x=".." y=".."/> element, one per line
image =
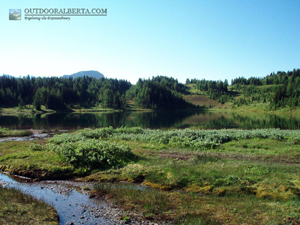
<point x="275" y="91"/>
<point x="67" y="93"/>
<point x="158" y="93"/>
<point x="280" y="90"/>
<point x="62" y="93"/>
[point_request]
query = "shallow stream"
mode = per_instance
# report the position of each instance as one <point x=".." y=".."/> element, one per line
<point x="72" y="206"/>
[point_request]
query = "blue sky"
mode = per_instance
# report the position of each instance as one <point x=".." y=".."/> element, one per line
<point x="139" y="39"/>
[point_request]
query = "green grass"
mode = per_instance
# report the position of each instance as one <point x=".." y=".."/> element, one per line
<point x="18" y="208"/>
<point x="153" y="203"/>
<point x="22" y="158"/>
<point x="65" y="155"/>
<point x="26" y="110"/>
<point x="248" y="170"/>
<point x="5" y="132"/>
<point x="265" y="149"/>
<point x="194" y="176"/>
<point x="178" y="207"/>
<point x="198" y="97"/>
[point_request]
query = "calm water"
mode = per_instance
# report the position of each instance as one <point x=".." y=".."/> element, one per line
<point x="181" y="119"/>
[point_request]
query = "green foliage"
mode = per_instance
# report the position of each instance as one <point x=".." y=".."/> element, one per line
<point x="6" y="132"/>
<point x="33" y="159"/>
<point x="250" y="169"/>
<point x="88" y="153"/>
<point x="109" y="131"/>
<point x="250" y="81"/>
<point x="281" y="89"/>
<point x="294" y="138"/>
<point x="158" y="93"/>
<point x="216" y="90"/>
<point x="37" y="147"/>
<point x="66" y="138"/>
<point x="59" y="93"/>
<point x="187" y="138"/>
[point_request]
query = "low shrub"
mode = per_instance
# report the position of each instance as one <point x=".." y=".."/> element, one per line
<point x="93" y="154"/>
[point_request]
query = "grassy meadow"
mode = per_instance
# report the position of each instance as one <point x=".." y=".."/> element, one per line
<point x="5" y="132"/>
<point x="18" y="208"/>
<point x="180" y="176"/>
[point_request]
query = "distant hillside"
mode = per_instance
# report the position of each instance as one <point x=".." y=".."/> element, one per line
<point x="89" y="73"/>
<point x="160" y="92"/>
<point x="279" y="90"/>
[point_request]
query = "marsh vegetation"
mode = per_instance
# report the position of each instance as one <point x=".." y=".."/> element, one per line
<point x="18" y="208"/>
<point x="193" y="176"/>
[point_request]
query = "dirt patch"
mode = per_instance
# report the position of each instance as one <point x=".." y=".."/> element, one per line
<point x="271" y="159"/>
<point x="176" y="156"/>
<point x="200" y="100"/>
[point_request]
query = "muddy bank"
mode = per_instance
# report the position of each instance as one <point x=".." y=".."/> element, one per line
<point x="72" y="202"/>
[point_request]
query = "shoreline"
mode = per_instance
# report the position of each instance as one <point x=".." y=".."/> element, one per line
<point x="98" y="208"/>
<point x="225" y="109"/>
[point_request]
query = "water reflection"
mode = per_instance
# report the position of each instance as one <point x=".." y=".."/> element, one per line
<point x="171" y="119"/>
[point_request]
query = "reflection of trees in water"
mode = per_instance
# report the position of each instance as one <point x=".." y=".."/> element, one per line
<point x="253" y="121"/>
<point x="22" y="121"/>
<point x="159" y="119"/>
<point x="219" y="123"/>
<point x="180" y="119"/>
<point x="207" y="120"/>
<point x="267" y="121"/>
<point x="129" y="119"/>
<point x="94" y="120"/>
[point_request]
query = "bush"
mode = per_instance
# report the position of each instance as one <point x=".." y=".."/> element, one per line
<point x="93" y="154"/>
<point x="187" y="138"/>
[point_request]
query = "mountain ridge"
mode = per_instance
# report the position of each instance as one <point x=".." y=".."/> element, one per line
<point x="89" y="73"/>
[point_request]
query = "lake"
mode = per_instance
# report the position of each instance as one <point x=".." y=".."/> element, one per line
<point x="153" y="120"/>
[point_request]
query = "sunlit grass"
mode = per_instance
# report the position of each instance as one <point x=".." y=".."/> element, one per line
<point x="245" y="181"/>
<point x="5" y="132"/>
<point x="18" y="208"/>
<point x="19" y="157"/>
<point x="190" y="208"/>
<point x="193" y="176"/>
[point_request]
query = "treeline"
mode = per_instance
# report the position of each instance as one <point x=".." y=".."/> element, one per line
<point x="61" y="93"/>
<point x="158" y="93"/>
<point x="217" y="90"/>
<point x="280" y="89"/>
<point x="273" y="78"/>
